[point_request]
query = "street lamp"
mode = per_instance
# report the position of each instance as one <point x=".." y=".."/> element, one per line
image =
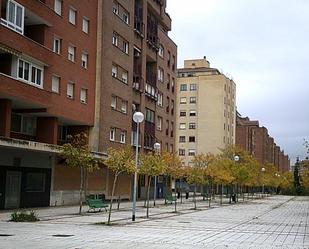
<point x="157" y="148"/>
<point x="263" y="170"/>
<point x="236" y="159"/>
<point x="138" y="117"/>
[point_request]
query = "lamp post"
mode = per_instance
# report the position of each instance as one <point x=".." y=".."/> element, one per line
<point x="157" y="148"/>
<point x="236" y="159"/>
<point x="138" y="117"/>
<point x="263" y="170"/>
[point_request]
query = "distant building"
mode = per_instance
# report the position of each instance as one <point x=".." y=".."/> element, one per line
<point x="205" y="110"/>
<point x="256" y="140"/>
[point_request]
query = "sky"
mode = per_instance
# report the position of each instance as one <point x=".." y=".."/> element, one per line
<point x="263" y="45"/>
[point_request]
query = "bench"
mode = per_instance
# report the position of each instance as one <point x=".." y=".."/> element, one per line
<point x="205" y="196"/>
<point x="169" y="198"/>
<point x="96" y="203"/>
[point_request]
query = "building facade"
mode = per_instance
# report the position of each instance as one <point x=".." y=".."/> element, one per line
<point x="256" y="140"/>
<point x="47" y="89"/>
<point x="205" y="113"/>
<point x="136" y="72"/>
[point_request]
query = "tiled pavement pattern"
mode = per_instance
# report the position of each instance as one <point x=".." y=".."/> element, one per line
<point x="273" y="222"/>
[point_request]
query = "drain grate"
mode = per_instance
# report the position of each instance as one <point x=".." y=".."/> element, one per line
<point x="5" y="235"/>
<point x="63" y="235"/>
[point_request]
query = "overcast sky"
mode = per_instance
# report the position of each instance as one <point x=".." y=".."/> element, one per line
<point x="264" y="46"/>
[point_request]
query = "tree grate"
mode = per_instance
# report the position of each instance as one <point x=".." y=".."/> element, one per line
<point x="62" y="235"/>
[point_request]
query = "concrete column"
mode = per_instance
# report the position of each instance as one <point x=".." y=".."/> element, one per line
<point x="47" y="130"/>
<point x="5" y="117"/>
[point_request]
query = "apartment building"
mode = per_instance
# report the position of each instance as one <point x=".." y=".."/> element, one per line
<point x="256" y="140"/>
<point x="47" y="89"/>
<point x="137" y="72"/>
<point x="205" y="110"/>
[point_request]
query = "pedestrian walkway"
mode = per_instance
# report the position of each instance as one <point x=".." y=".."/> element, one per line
<point x="273" y="222"/>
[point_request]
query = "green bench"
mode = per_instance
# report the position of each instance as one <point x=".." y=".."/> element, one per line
<point x="169" y="198"/>
<point x="96" y="203"/>
<point x="205" y="196"/>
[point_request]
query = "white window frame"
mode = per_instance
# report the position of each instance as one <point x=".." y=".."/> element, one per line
<point x="115" y="39"/>
<point x="193" y="100"/>
<point x="55" y="84"/>
<point x="71" y="53"/>
<point x="183" y="100"/>
<point x="125" y="47"/>
<point x="193" y="87"/>
<point x="84" y="60"/>
<point x="83" y="95"/>
<point x="114" y="71"/>
<point x="192" y="126"/>
<point x="70" y="90"/>
<point x="192" y="113"/>
<point x="115" y="7"/>
<point x="123" y="137"/>
<point x="57" y="48"/>
<point x="126" y="17"/>
<point x="160" y="74"/>
<point x="161" y="51"/>
<point x="191" y="152"/>
<point x="58" y="7"/>
<point x="124" y="77"/>
<point x="31" y="67"/>
<point x="72" y="15"/>
<point x="114" y="102"/>
<point x="85" y="25"/>
<point x="160" y="99"/>
<point x="124" y="106"/>
<point x="182" y="126"/>
<point x="112" y="134"/>
<point x="159" y="123"/>
<point x="12" y="24"/>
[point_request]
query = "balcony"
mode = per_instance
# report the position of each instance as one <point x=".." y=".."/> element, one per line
<point x="139" y="26"/>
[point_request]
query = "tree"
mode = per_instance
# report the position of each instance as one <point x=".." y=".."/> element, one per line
<point x="78" y="155"/>
<point x="174" y="168"/>
<point x="119" y="161"/>
<point x="151" y="165"/>
<point x="297" y="184"/>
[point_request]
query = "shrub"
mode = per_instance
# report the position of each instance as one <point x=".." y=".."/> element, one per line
<point x="24" y="216"/>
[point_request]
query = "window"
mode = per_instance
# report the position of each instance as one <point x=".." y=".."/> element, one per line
<point x="71" y="53"/>
<point x="192" y="126"/>
<point x="115" y="7"/>
<point x="182" y="126"/>
<point x="183" y="100"/>
<point x="35" y="182"/>
<point x="123" y="137"/>
<point x="193" y="87"/>
<point x="125" y="17"/>
<point x="125" y="48"/>
<point x="83" y="95"/>
<point x="85" y="60"/>
<point x="115" y="39"/>
<point x="58" y="7"/>
<point x="161" y="51"/>
<point x="191" y="139"/>
<point x="159" y="123"/>
<point x="150" y="115"/>
<point x="114" y="102"/>
<point x="183" y="87"/>
<point x="114" y="71"/>
<point x="112" y="132"/>
<point x="182" y="113"/>
<point x="160" y="99"/>
<point x="70" y="90"/>
<point x="173" y="84"/>
<point x="124" y="77"/>
<point x="23" y="124"/>
<point x="191" y="152"/>
<point x="124" y="106"/>
<point x="55" y="84"/>
<point x="72" y="16"/>
<point x="160" y="74"/>
<point x="14" y="17"/>
<point x="57" y="45"/>
<point x="30" y="73"/>
<point x="182" y="152"/>
<point x="192" y="100"/>
<point x="192" y="113"/>
<point x="85" y="27"/>
<point x="182" y="139"/>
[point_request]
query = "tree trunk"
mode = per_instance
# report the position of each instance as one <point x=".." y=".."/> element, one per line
<point x="175" y="198"/>
<point x="148" y="188"/>
<point x="221" y="194"/>
<point x="81" y="190"/>
<point x="112" y="198"/>
<point x="180" y="180"/>
<point x="209" y="193"/>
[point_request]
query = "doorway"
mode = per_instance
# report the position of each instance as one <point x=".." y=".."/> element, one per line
<point x="12" y="189"/>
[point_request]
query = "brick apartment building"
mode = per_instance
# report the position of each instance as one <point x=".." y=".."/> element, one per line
<point x="256" y="140"/>
<point x="71" y="66"/>
<point x="137" y="73"/>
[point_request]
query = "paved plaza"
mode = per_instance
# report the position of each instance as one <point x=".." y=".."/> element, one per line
<point x="273" y="222"/>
